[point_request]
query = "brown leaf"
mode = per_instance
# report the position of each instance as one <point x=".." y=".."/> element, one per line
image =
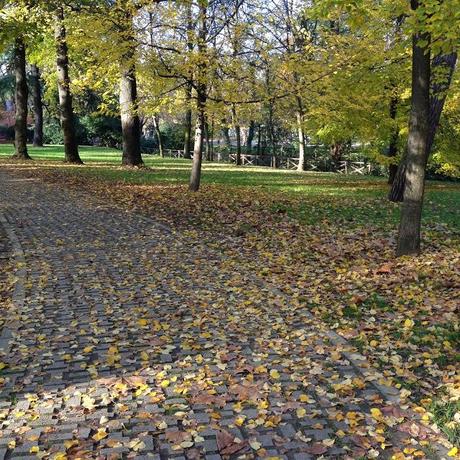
<point x="317" y="449"/>
<point x="176" y="437"/>
<point x="227" y="445"/>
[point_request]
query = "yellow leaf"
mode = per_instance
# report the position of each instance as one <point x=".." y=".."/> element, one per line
<point x="453" y="452"/>
<point x="88" y="349"/>
<point x="59" y="456"/>
<point x="165" y="383"/>
<point x="301" y="412"/>
<point x="101" y="434"/>
<point x="376" y="413"/>
<point x="274" y="374"/>
<point x="263" y="404"/>
<point x="306" y="399"/>
<point x="34" y="449"/>
<point x="143" y="322"/>
<point x="408" y="324"/>
<point x="3" y="365"/>
<point x="199" y="359"/>
<point x="240" y="420"/>
<point x="260" y="370"/>
<point x="88" y="402"/>
<point x="144" y="356"/>
<point x="70" y="443"/>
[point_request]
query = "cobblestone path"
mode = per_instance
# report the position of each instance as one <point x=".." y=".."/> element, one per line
<point x="131" y="342"/>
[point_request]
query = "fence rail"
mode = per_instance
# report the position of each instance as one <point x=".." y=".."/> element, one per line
<point x="344" y="167"/>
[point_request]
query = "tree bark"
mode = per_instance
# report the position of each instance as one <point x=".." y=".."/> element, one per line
<point x="250" y="138"/>
<point x="201" y="90"/>
<point x="271" y="132"/>
<point x="67" y="117"/>
<point x="189" y="87"/>
<point x="38" y="106"/>
<point x="188" y="124"/>
<point x="21" y="95"/>
<point x="393" y="146"/>
<point x="437" y="100"/>
<point x="207" y="136"/>
<point x="336" y="150"/>
<point x="417" y="148"/>
<point x="301" y="135"/>
<point x="130" y="122"/>
<point x="226" y="135"/>
<point x="195" y="177"/>
<point x="259" y="140"/>
<point x="237" y="128"/>
<point x="156" y="125"/>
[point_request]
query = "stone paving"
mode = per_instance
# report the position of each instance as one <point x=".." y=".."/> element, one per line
<point x="132" y="342"/>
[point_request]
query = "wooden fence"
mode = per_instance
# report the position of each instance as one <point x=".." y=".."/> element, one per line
<point x="345" y="167"/>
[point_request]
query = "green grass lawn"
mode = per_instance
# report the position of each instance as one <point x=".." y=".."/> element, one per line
<point x="317" y="196"/>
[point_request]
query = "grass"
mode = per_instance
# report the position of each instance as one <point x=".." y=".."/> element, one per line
<point x="348" y="200"/>
<point x="443" y="415"/>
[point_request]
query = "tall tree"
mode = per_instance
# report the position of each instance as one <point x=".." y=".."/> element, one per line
<point x="21" y="95"/>
<point x="189" y="86"/>
<point x="37" y="106"/>
<point x="201" y="96"/>
<point x="417" y="145"/>
<point x="130" y="121"/>
<point x="65" y="95"/>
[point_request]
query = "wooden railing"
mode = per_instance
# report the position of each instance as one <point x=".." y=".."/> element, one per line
<point x="354" y="167"/>
<point x="345" y="167"/>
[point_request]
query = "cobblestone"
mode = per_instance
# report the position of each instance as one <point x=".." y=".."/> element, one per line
<point x="120" y="316"/>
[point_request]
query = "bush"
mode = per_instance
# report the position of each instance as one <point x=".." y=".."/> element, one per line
<point x="52" y="133"/>
<point x="101" y="130"/>
<point x="7" y="133"/>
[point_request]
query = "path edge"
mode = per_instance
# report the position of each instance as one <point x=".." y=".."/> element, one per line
<point x="18" y="296"/>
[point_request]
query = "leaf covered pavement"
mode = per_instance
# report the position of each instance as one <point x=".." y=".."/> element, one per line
<point x="136" y="340"/>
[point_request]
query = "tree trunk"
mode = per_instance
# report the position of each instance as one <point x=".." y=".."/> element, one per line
<point x="250" y="138"/>
<point x="301" y="135"/>
<point x="21" y="94"/>
<point x="271" y="132"/>
<point x="336" y="150"/>
<point x="38" y="106"/>
<point x="156" y="125"/>
<point x="417" y="148"/>
<point x="130" y="122"/>
<point x="259" y="140"/>
<point x="237" y="128"/>
<point x="65" y="95"/>
<point x="393" y="147"/>
<point x="439" y="91"/>
<point x="208" y="140"/>
<point x="226" y="135"/>
<point x="198" y="148"/>
<point x="201" y="90"/>
<point x="188" y="124"/>
<point x="211" y="134"/>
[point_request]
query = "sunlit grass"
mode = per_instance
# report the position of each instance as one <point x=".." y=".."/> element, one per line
<point x="311" y="196"/>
